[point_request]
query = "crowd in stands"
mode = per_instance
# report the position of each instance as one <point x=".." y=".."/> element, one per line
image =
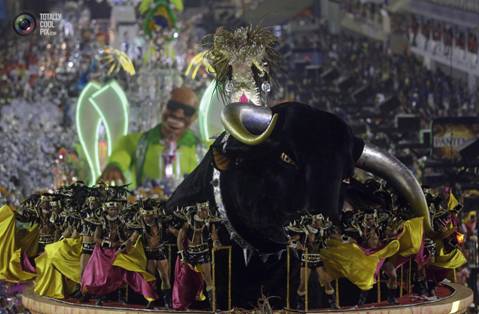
<point x="363" y="10"/>
<point x="363" y="82"/>
<point x="357" y="78"/>
<point x="439" y="38"/>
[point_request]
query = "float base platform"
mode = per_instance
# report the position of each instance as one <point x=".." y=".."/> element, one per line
<point x="457" y="301"/>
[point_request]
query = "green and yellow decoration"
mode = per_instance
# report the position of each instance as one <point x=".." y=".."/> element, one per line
<point x="159" y="15"/>
<point x="114" y="60"/>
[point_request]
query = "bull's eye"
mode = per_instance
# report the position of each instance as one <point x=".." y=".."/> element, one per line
<point x="287" y="159"/>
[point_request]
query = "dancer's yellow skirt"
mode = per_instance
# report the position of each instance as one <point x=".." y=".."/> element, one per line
<point x="58" y="268"/>
<point x="10" y="251"/>
<point x="134" y="260"/>
<point x="350" y="261"/>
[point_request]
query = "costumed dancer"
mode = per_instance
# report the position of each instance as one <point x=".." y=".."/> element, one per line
<point x="112" y="264"/>
<point x="376" y="240"/>
<point x="366" y="232"/>
<point x="90" y="221"/>
<point x="153" y="223"/>
<point x="194" y="251"/>
<point x="58" y="267"/>
<point x="373" y="242"/>
<point x="86" y="203"/>
<point x="48" y="215"/>
<point x="131" y="255"/>
<point x="71" y="219"/>
<point x="448" y="241"/>
<point x="421" y="284"/>
<point x="309" y="239"/>
<point x="108" y="239"/>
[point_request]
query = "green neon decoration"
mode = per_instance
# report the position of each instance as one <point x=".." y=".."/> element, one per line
<point x="114" y="117"/>
<point x="96" y="105"/>
<point x="209" y="114"/>
<point x="87" y="122"/>
<point x="97" y="154"/>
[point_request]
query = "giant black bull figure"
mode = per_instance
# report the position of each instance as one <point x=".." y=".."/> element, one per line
<point x="273" y="164"/>
<point x="299" y="168"/>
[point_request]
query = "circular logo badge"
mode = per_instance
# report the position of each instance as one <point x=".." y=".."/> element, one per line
<point x="24" y="24"/>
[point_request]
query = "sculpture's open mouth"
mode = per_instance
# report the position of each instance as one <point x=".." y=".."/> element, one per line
<point x="245" y="96"/>
<point x="244" y="99"/>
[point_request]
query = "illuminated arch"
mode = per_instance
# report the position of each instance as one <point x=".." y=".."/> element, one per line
<point x="98" y="104"/>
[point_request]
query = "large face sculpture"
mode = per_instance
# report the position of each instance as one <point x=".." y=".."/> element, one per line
<point x="179" y="113"/>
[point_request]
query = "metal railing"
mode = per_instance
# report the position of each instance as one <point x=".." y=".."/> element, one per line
<point x="404" y="270"/>
<point x="213" y="266"/>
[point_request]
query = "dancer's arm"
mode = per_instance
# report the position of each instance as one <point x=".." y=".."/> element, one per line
<point x="180" y="241"/>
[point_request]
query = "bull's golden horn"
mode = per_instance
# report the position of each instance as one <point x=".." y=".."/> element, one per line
<point x="249" y="124"/>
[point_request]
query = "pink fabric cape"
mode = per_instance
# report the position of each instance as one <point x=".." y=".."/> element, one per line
<point x="420" y="258"/>
<point x="187" y="286"/>
<point x="27" y="265"/>
<point x="100" y="277"/>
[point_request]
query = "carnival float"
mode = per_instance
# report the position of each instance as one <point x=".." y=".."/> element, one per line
<point x="287" y="211"/>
